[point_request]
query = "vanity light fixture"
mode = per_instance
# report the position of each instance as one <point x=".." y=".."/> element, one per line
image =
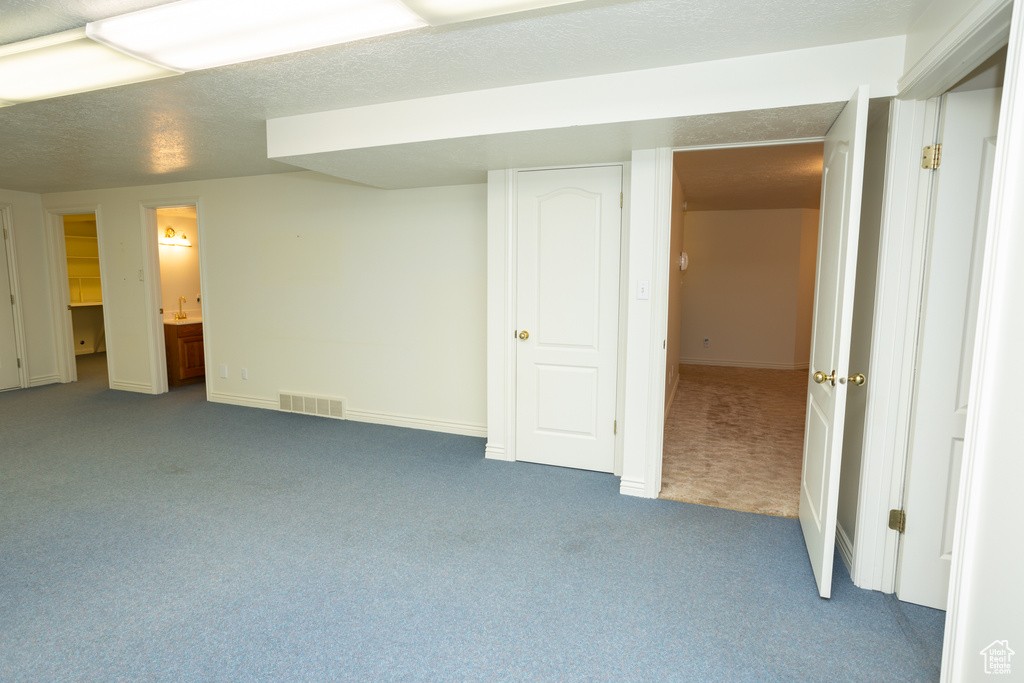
<point x="66" y="63"/>
<point x="173" y="239"/>
<point x="189" y="35"/>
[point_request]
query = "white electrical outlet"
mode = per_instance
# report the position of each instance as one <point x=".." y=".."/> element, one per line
<point x="224" y="371"/>
<point x="707" y="343"/>
<point x="245" y="373"/>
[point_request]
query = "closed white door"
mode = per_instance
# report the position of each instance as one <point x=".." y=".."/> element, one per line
<point x="841" y="184"/>
<point x="568" y="225"/>
<point x="10" y="377"/>
<point x="949" y="314"/>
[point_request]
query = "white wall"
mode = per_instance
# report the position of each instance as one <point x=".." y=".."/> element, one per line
<point x="860" y="341"/>
<point x="318" y="286"/>
<point x="747" y="287"/>
<point x="179" y="267"/>
<point x="33" y="280"/>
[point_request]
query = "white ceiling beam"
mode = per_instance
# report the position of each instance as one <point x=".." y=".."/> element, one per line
<point x="767" y="81"/>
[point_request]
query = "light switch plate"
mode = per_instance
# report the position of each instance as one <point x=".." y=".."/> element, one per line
<point x="643" y="289"/>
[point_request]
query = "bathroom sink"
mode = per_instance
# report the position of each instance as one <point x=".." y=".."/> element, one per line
<point x="183" y="321"/>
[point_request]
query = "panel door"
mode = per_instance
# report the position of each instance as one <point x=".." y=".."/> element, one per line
<point x="949" y="313"/>
<point x="841" y="186"/>
<point x="568" y="229"/>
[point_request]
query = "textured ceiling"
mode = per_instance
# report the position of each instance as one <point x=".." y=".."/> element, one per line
<point x="211" y="124"/>
<point x="740" y="178"/>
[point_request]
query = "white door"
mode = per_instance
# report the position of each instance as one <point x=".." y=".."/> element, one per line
<point x="568" y="224"/>
<point x="10" y="377"/>
<point x="949" y="313"/>
<point x="841" y="185"/>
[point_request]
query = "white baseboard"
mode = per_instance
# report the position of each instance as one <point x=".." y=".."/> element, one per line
<point x="671" y="395"/>
<point x="743" y="364"/>
<point x="495" y="452"/>
<point x="137" y="387"/>
<point x="632" y="487"/>
<point x="246" y="401"/>
<point x="42" y="380"/>
<point x="429" y="424"/>
<point x="845" y="546"/>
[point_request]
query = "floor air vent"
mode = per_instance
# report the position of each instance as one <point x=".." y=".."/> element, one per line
<point x="313" y="405"/>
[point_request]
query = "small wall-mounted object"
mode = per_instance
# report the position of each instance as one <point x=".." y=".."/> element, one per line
<point x="684" y="261"/>
<point x="172" y="239"/>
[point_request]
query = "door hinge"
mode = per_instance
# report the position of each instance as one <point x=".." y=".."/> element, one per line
<point x="620" y="200"/>
<point x="898" y="520"/>
<point x="932" y="157"/>
<point x="19" y="362"/>
<point x="5" y="233"/>
<point x="615" y="427"/>
<point x="12" y="299"/>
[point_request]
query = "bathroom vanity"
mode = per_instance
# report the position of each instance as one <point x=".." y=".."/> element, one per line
<point x="184" y="342"/>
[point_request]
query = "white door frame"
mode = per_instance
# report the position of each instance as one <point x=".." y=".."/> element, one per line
<point x="897" y="295"/>
<point x="502" y="247"/>
<point x="900" y="281"/>
<point x="7" y="223"/>
<point x="64" y="335"/>
<point x="153" y="294"/>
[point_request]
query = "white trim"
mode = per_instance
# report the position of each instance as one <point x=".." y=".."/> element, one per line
<point x="671" y="397"/>
<point x="845" y="546"/>
<point x="898" y="291"/>
<point x="724" y="363"/>
<point x="430" y="424"/>
<point x="899" y="283"/>
<point x="20" y="347"/>
<point x="758" y="143"/>
<point x="983" y="562"/>
<point x="137" y="387"/>
<point x="60" y="297"/>
<point x="245" y="401"/>
<point x="494" y="452"/>
<point x="650" y="233"/>
<point x="633" y="487"/>
<point x="152" y="287"/>
<point x="43" y="380"/>
<point x="966" y="45"/>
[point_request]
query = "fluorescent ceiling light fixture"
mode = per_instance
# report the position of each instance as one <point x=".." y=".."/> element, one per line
<point x="63" y="64"/>
<point x="200" y="34"/>
<point x="440" y="12"/>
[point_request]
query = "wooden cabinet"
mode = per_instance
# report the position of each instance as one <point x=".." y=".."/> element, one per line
<point x="185" y="364"/>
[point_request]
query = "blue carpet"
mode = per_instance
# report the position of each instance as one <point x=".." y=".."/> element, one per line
<point x="164" y="538"/>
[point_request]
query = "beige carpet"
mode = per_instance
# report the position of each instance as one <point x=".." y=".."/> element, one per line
<point x="734" y="439"/>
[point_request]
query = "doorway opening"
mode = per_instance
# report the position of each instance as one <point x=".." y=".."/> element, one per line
<point x="85" y="291"/>
<point x="175" y="230"/>
<point x="743" y="255"/>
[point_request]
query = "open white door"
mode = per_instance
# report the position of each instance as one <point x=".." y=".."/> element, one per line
<point x="567" y="316"/>
<point x="841" y="185"/>
<point x="949" y="314"/>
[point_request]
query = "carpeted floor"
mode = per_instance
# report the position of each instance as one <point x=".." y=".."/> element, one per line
<point x="164" y="538"/>
<point x="734" y="439"/>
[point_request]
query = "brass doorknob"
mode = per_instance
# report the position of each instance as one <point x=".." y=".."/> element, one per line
<point x="820" y="377"/>
<point x="858" y="379"/>
<point x="524" y="335"/>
